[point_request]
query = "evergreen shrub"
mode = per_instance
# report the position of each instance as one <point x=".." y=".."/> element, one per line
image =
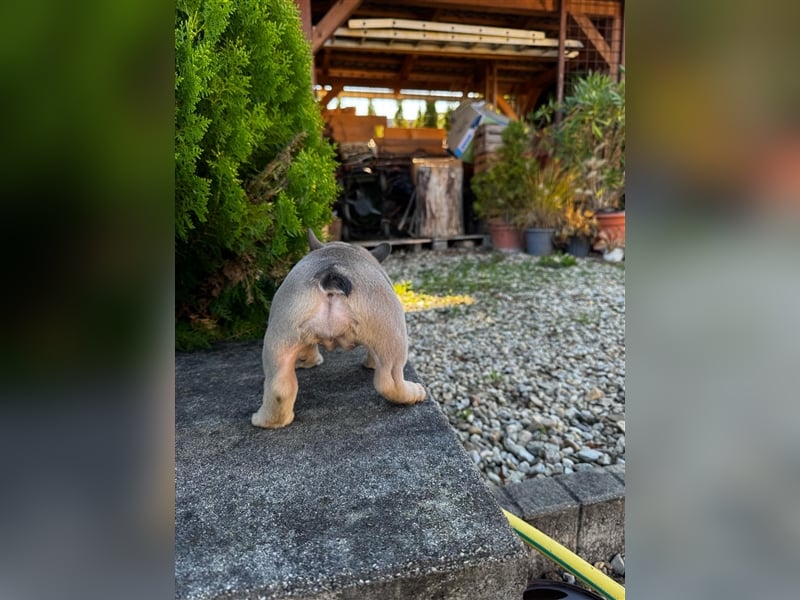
<point x="252" y="171"/>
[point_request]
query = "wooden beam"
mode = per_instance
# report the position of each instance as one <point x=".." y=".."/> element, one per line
<point x="455" y="38"/>
<point x="388" y="75"/>
<point x="427" y="48"/>
<point x="333" y="19"/>
<point x="400" y="96"/>
<point x="453" y="84"/>
<point x="305" y="17"/>
<point x="494" y="82"/>
<point x="330" y="95"/>
<point x="507" y="109"/>
<point x="616" y="47"/>
<point x="304" y="6"/>
<point x="594" y="36"/>
<point x="456" y="28"/>
<point x="408" y="64"/>
<point x="622" y="50"/>
<point x="562" y="36"/>
<point x="596" y="8"/>
<point x="499" y="6"/>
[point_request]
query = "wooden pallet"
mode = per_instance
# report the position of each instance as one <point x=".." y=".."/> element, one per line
<point x="488" y="138"/>
<point x="483" y="161"/>
<point x="416" y="244"/>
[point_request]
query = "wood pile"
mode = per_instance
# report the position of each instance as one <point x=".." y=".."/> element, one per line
<point x="487" y="140"/>
<point x="346" y="126"/>
<point x="412" y="141"/>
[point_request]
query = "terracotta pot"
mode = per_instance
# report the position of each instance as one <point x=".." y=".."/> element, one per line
<point x="613" y="224"/>
<point x="505" y="237"/>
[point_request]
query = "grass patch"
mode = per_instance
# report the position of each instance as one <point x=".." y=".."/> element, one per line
<point x="557" y="261"/>
<point x="469" y="276"/>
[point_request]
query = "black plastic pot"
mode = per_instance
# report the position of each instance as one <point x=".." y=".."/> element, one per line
<point x="544" y="589"/>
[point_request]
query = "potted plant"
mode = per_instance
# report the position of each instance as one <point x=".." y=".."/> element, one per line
<point x="500" y="191"/>
<point x="577" y="230"/>
<point x="549" y="189"/>
<point x="591" y="139"/>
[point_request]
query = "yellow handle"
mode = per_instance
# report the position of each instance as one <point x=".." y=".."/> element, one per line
<point x="567" y="559"/>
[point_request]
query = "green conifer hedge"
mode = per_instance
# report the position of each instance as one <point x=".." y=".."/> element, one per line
<point x="252" y="170"/>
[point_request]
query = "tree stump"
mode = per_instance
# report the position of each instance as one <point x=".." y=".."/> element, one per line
<point x="438" y="211"/>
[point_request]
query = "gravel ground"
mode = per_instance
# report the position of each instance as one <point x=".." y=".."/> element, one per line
<point x="531" y="374"/>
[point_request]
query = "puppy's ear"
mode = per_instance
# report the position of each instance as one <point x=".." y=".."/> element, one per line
<point x="313" y="241"/>
<point x="381" y="252"/>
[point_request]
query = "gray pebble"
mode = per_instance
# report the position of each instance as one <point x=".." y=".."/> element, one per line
<point x="532" y="375"/>
<point x="618" y="564"/>
<point x="588" y="454"/>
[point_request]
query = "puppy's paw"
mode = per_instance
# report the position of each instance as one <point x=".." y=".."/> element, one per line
<point x="309" y="363"/>
<point x="259" y="420"/>
<point x="309" y="358"/>
<point x="412" y="393"/>
<point x="419" y="392"/>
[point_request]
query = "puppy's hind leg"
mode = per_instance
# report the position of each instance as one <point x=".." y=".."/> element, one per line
<point x="391" y="384"/>
<point x="280" y="389"/>
<point x="370" y="362"/>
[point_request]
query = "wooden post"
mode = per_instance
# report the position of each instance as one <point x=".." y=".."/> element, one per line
<point x="305" y="20"/>
<point x="494" y="83"/>
<point x="622" y="44"/>
<point x="616" y="47"/>
<point x="562" y="41"/>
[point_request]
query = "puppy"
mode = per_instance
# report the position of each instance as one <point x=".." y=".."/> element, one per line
<point x="337" y="295"/>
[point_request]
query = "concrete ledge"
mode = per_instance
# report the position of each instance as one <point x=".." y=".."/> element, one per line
<point x="358" y="498"/>
<point x="584" y="511"/>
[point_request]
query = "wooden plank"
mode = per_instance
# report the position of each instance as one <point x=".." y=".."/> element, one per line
<point x="457" y="28"/>
<point x="507" y="109"/>
<point x="432" y="49"/>
<point x="598" y="8"/>
<point x="504" y="6"/>
<point x="586" y="25"/>
<point x="616" y="47"/>
<point x="393" y="242"/>
<point x="330" y="95"/>
<point x="456" y="38"/>
<point x="414" y="133"/>
<point x="338" y="14"/>
<point x="305" y="18"/>
<point x="347" y="127"/>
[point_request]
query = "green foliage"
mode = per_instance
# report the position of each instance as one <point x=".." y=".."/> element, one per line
<point x="431" y="117"/>
<point x="252" y="171"/>
<point x="420" y="120"/>
<point x="501" y="191"/>
<point x="399" y="120"/>
<point x="557" y="261"/>
<point x="591" y="138"/>
<point x="550" y="190"/>
<point x="517" y="189"/>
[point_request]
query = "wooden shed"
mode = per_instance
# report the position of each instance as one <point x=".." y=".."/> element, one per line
<point x="509" y="53"/>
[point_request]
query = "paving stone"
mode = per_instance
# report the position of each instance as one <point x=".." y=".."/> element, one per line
<point x="547" y="506"/>
<point x="601" y="528"/>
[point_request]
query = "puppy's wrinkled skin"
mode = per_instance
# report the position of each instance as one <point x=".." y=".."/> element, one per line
<point x="338" y="296"/>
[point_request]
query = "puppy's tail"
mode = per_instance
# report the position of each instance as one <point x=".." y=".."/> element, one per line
<point x="331" y="281"/>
